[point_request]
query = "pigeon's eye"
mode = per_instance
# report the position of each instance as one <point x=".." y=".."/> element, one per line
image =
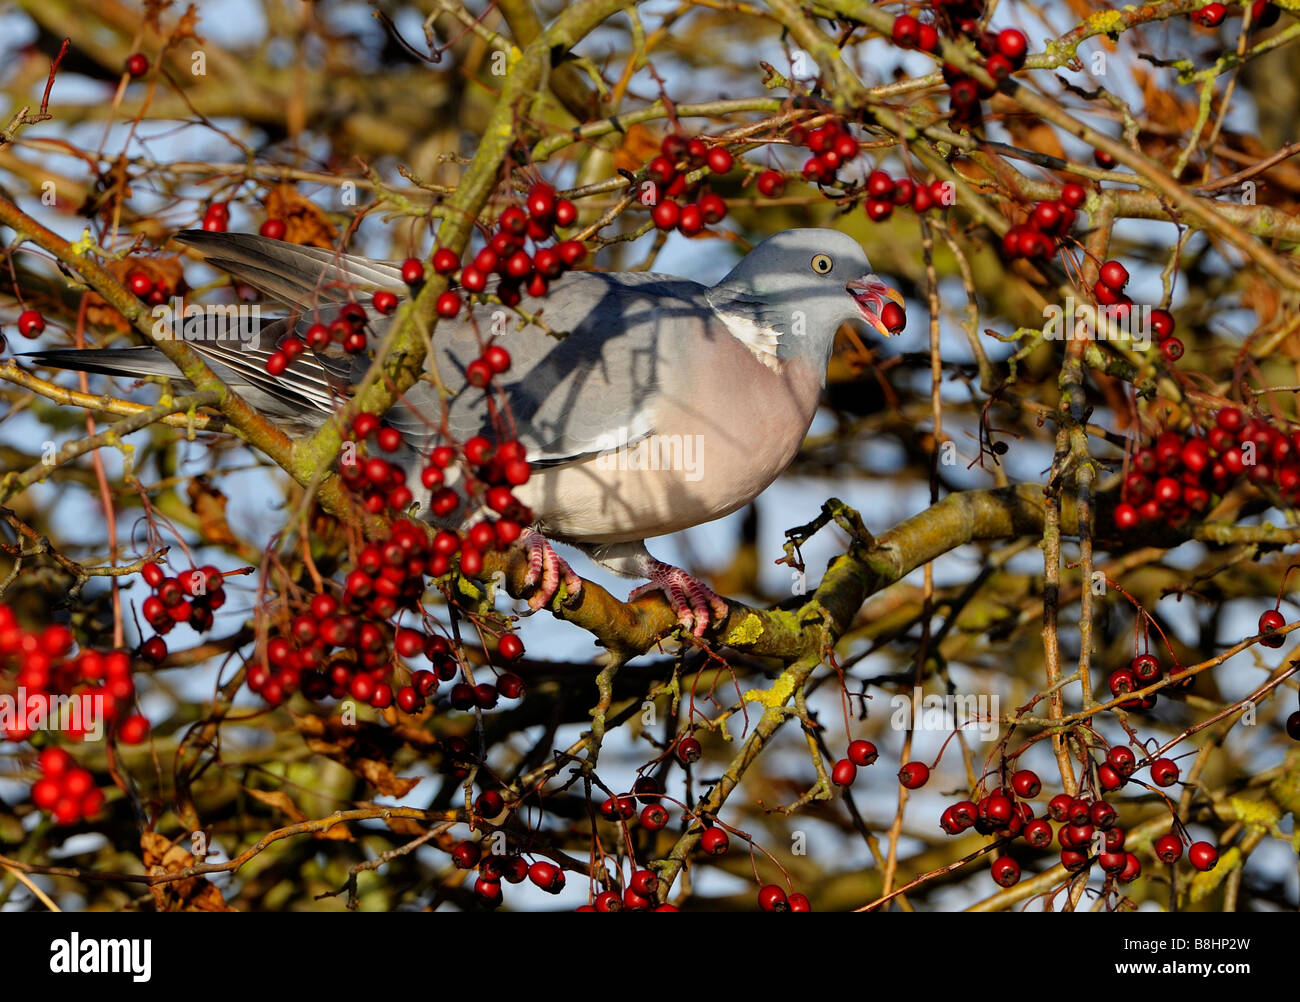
<point x="822" y="264"/>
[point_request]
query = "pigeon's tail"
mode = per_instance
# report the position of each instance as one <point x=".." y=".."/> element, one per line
<point x="293" y="274"/>
<point x="301" y="400"/>
<point x="135" y="363"/>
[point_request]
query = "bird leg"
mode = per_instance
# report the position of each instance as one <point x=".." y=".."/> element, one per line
<point x="545" y="569"/>
<point x="691" y="599"/>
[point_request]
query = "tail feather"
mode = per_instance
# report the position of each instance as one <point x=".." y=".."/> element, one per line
<point x="293" y="274"/>
<point x="135" y="363"/>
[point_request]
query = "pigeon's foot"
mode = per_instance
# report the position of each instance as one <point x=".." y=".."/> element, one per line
<point x="546" y="569"/>
<point x="692" y="600"/>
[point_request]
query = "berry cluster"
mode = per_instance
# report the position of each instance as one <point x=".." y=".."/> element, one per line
<point x="859" y="754"/>
<point x="883" y="193"/>
<point x="45" y="670"/>
<point x="1004" y="52"/>
<point x="680" y="203"/>
<point x="191" y="598"/>
<point x="1143" y="671"/>
<point x="153" y="291"/>
<point x="831" y="146"/>
<point x="1086" y="831"/>
<point x="65" y="790"/>
<point x="507" y="253"/>
<point x="216" y="218"/>
<point x="1180" y="474"/>
<point x="1048" y="223"/>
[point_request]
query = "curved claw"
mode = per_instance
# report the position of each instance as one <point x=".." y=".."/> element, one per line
<point x="695" y="603"/>
<point x="545" y="570"/>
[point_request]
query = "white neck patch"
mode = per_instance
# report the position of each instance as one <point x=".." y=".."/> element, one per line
<point x="762" y="340"/>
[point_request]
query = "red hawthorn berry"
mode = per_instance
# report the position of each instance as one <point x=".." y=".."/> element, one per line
<point x="1168" y="848"/>
<point x="1113" y="274"/>
<point x="445" y="262"/>
<point x="877" y="211"/>
<point x="139" y="283"/>
<point x="384" y="301"/>
<point x="772" y="899"/>
<point x="999" y="67"/>
<point x="1270" y="621"/>
<point x="862" y="753"/>
<point x="914" y="775"/>
<point x="922" y="199"/>
<point x="547" y="876"/>
<point x="689" y="750"/>
<point x="1126" y="516"/>
<point x="1006" y="871"/>
<point x="712" y="207"/>
<point x="844" y="773"/>
<point x="134" y="729"/>
<point x="1203" y="856"/>
<point x="1026" y="784"/>
<point x="566" y="213"/>
<point x="1073" y="195"/>
<point x="1264" y="14"/>
<point x="1103" y="160"/>
<point x="572" y="252"/>
<point x="1211" y="15"/>
<point x="510" y="647"/>
<point x="799" y="903"/>
<point x="1164" y="772"/>
<point x="1012" y="44"/>
<point x="906" y="31"/>
<point x="448" y="304"/>
<point x="30" y="323"/>
<point x="771" y="184"/>
<point x="478" y="373"/>
<point x="137" y="64"/>
<point x="609" y="901"/>
<point x="1038" y="833"/>
<point x="541" y="201"/>
<point x="497" y="358"/>
<point x="720" y="161"/>
<point x="691" y="220"/>
<point x="1293" y="726"/>
<point x="928" y="38"/>
<point x="654" y="817"/>
<point x="880" y="185"/>
<point x="666" y="214"/>
<point x="273" y="229"/>
<point x="473" y="279"/>
<point x="413" y="270"/>
<point x="714" y="841"/>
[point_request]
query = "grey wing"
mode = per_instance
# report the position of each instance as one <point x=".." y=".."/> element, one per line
<point x="596" y="383"/>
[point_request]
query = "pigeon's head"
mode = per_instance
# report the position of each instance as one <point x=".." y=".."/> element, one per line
<point x="801" y="285"/>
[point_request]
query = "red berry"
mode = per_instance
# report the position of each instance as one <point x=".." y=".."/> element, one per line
<point x="914" y="775"/>
<point x="547" y="876"/>
<point x="844" y="773"/>
<point x="1293" y="726"/>
<point x="906" y="32"/>
<point x="691" y="220"/>
<point x="385" y="301"/>
<point x="1103" y="159"/>
<point x="448" y="304"/>
<point x="1026" y="783"/>
<point x="1203" y="856"/>
<point x="445" y="261"/>
<point x="772" y="899"/>
<point x="880" y="185"/>
<point x="771" y="184"/>
<point x="1168" y="848"/>
<point x="720" y="161"/>
<point x="1006" y="871"/>
<point x="799" y="903"/>
<point x="510" y="647"/>
<point x="862" y="753"/>
<point x="30" y="323"/>
<point x="1114" y="274"/>
<point x="134" y="729"/>
<point x="1164" y="772"/>
<point x="877" y="211"/>
<point x="712" y="207"/>
<point x="137" y="64"/>
<point x="1211" y="15"/>
<point x="473" y="279"/>
<point x="1012" y="44"/>
<point x="541" y="201"/>
<point x="689" y="750"/>
<point x="928" y="38"/>
<point x="714" y="841"/>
